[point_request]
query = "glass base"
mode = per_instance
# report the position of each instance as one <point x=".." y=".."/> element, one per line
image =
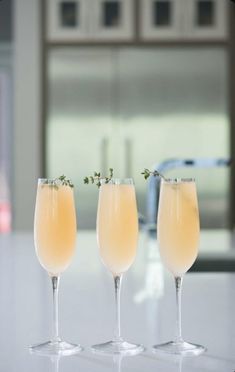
<point x="117" y="348"/>
<point x="55" y="348"/>
<point x="179" y="348"/>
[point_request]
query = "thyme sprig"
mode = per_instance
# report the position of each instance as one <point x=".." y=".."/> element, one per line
<point x="60" y="181"/>
<point x="147" y="173"/>
<point x="97" y="178"/>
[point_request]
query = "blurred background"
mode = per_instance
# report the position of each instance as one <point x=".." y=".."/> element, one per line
<point x="90" y="84"/>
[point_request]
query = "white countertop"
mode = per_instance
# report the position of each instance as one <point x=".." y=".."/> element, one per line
<point x="87" y="310"/>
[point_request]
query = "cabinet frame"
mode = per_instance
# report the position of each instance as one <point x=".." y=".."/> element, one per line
<point x="90" y="27"/>
<point x="183" y="26"/>
<point x="125" y="32"/>
<point x="220" y="29"/>
<point x="56" y="32"/>
<point x="148" y="31"/>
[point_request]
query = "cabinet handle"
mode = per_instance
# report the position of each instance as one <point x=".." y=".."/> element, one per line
<point x="128" y="157"/>
<point x="104" y="155"/>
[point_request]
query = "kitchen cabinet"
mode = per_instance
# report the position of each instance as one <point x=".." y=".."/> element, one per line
<point x="66" y="20"/>
<point x="160" y="20"/>
<point x="206" y="19"/>
<point x="89" y="20"/>
<point x="183" y="19"/>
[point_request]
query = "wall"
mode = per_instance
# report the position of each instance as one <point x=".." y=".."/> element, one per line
<point x="27" y="110"/>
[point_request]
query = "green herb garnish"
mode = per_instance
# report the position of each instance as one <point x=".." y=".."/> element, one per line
<point x="97" y="178"/>
<point x="62" y="180"/>
<point x="59" y="181"/>
<point x="147" y="173"/>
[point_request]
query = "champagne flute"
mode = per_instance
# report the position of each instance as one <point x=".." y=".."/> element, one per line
<point x="178" y="236"/>
<point x="55" y="240"/>
<point x="117" y="235"/>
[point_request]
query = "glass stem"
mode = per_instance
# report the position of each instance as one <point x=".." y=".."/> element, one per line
<point x="178" y="287"/>
<point x="117" y="285"/>
<point x="55" y="287"/>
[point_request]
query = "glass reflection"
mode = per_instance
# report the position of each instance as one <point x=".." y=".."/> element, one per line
<point x="55" y="361"/>
<point x="153" y="287"/>
<point x="154" y="277"/>
<point x="177" y="360"/>
<point x="117" y="363"/>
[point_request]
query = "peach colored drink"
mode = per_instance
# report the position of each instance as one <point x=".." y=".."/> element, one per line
<point x="178" y="225"/>
<point x="55" y="227"/>
<point x="178" y="235"/>
<point x="117" y="226"/>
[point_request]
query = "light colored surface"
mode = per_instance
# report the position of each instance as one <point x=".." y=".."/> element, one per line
<point x="87" y="310"/>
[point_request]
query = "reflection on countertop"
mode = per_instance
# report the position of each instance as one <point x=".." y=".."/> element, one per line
<point x="87" y="309"/>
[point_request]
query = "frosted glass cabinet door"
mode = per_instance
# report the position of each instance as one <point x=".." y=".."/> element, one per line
<point x="67" y="20"/>
<point x="113" y="19"/>
<point x="160" y="19"/>
<point x="206" y="19"/>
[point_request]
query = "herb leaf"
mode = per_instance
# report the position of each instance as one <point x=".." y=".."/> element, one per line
<point x="97" y="178"/>
<point x="147" y="173"/>
<point x="62" y="180"/>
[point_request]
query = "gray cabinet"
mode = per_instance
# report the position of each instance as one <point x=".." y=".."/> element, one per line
<point x="113" y="20"/>
<point x="86" y="20"/>
<point x="118" y="20"/>
<point x="66" y="20"/>
<point x="206" y="19"/>
<point x="183" y="19"/>
<point x="160" y="20"/>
